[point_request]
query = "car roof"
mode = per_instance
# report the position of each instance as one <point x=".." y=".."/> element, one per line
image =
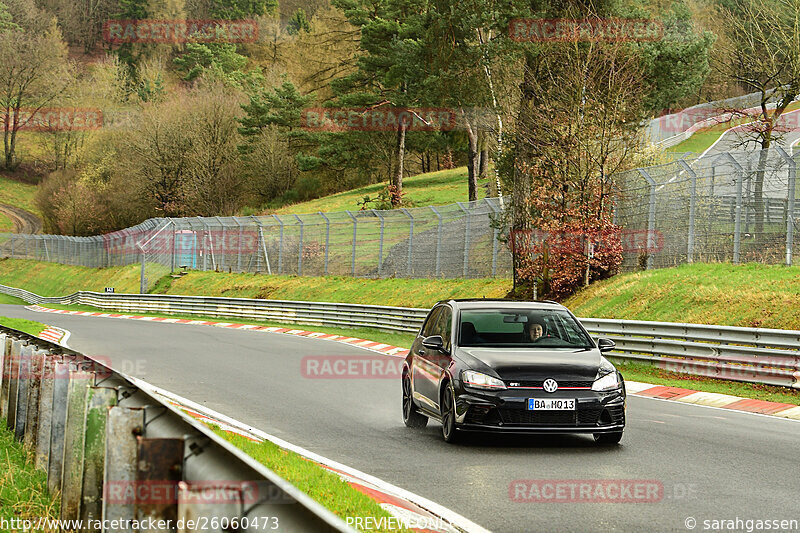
<point x="494" y="303"/>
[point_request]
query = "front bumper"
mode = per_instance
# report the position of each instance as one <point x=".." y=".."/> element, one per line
<point x="506" y="411"/>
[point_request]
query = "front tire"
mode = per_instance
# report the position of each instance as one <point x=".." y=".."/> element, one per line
<point x="449" y="431"/>
<point x="411" y="416"/>
<point x="608" y="439"/>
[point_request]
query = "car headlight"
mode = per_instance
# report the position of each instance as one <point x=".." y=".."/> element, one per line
<point x="608" y="382"/>
<point x="476" y="380"/>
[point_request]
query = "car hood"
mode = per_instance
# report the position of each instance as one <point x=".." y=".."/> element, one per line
<point x="534" y="364"/>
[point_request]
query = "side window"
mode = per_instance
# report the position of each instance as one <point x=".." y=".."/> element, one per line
<point x="430" y="323"/>
<point x="445" y="326"/>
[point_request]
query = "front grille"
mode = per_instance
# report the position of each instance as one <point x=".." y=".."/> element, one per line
<point x="589" y="416"/>
<point x="480" y="414"/>
<point x="537" y="418"/>
<point x="617" y="414"/>
<point x="561" y="384"/>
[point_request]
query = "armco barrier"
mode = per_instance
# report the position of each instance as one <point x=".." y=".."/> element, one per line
<point x="116" y="452"/>
<point x="770" y="356"/>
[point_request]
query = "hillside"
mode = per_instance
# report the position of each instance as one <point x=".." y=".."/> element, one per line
<point x="432" y="188"/>
<point x="750" y="295"/>
<point x="17" y="208"/>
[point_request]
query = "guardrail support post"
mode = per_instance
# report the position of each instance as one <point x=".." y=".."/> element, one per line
<point x="13" y="378"/>
<point x="159" y="465"/>
<point x="123" y="427"/>
<point x="23" y="384"/>
<point x="74" y="440"/>
<point x="31" y="430"/>
<point x="45" y="413"/>
<point x="5" y="378"/>
<point x="99" y="399"/>
<point x="55" y="461"/>
<point x="692" y="208"/>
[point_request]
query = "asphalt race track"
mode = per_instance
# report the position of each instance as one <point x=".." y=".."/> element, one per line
<point x="713" y="464"/>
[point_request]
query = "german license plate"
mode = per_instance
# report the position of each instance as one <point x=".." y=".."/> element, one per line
<point x="551" y="404"/>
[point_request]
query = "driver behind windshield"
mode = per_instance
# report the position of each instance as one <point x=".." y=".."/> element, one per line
<point x="534" y="331"/>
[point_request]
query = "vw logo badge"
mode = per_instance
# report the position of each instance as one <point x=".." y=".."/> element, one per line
<point x="550" y="385"/>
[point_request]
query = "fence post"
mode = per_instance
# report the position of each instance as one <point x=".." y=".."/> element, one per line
<point x="280" y="245"/>
<point x="206" y="236"/>
<point x="353" y="257"/>
<point x="651" y="217"/>
<point x="410" y="239"/>
<point x="174" y="244"/>
<point x="12" y="246"/>
<point x="692" y="208"/>
<point x="224" y="248"/>
<point x="142" y="282"/>
<point x="789" y="203"/>
<point x="327" y="239"/>
<point x="737" y="224"/>
<point x="466" y="238"/>
<point x="239" y="246"/>
<point x="300" y="248"/>
<point x="438" y="242"/>
<point x="380" y="243"/>
<point x="494" y="237"/>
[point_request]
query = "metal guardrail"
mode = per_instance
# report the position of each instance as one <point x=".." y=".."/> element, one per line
<point x="116" y="452"/>
<point x="770" y="356"/>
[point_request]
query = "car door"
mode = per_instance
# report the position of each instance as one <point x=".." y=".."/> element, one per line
<point x="440" y="360"/>
<point x="421" y="368"/>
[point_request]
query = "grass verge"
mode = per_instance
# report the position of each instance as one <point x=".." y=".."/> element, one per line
<point x="18" y="194"/>
<point x="749" y="295"/>
<point x="432" y="188"/>
<point x="648" y="374"/>
<point x="701" y="140"/>
<point x="322" y="485"/>
<point x="23" y="489"/>
<point x="20" y="324"/>
<point x="52" y="279"/>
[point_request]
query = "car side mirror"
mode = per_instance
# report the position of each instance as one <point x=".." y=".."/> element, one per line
<point x="606" y="345"/>
<point x="434" y="342"/>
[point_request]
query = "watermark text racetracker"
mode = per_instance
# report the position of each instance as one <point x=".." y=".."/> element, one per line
<point x="351" y="367"/>
<point x="598" y="491"/>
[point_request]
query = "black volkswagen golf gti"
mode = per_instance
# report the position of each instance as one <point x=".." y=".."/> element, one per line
<point x="512" y="367"/>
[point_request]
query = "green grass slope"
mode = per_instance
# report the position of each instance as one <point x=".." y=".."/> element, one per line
<point x="750" y="295"/>
<point x="51" y="279"/>
<point x="432" y="188"/>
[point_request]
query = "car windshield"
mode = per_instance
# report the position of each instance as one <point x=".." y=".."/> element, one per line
<point x="521" y="328"/>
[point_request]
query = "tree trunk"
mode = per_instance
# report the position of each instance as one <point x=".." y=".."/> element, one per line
<point x="398" y="173"/>
<point x="483" y="168"/>
<point x="473" y="160"/>
<point x="521" y="185"/>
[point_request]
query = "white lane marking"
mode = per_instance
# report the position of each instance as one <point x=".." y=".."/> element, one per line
<point x="433" y="507"/>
